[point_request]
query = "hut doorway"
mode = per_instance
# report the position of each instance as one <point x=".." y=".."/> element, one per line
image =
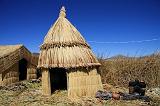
<point x="58" y="78"/>
<point x="22" y="69"/>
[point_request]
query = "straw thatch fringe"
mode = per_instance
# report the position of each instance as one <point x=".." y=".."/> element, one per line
<point x="63" y="44"/>
<point x="67" y="57"/>
<point x="83" y="83"/>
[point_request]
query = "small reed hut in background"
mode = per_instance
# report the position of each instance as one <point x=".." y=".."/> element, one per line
<point x="16" y="63"/>
<point x="67" y="62"/>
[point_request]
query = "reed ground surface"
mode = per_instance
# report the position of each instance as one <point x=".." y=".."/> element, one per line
<point x="30" y="94"/>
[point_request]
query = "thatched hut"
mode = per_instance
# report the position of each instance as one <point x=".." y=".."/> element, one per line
<point x="67" y="62"/>
<point x="16" y="63"/>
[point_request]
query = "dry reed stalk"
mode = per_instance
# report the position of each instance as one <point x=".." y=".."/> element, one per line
<point x="119" y="71"/>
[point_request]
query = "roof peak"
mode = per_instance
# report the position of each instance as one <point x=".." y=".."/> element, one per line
<point x="62" y="12"/>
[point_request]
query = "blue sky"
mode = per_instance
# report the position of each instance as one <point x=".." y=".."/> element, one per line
<point x="27" y="22"/>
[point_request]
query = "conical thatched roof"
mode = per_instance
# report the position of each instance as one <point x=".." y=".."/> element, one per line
<point x="65" y="47"/>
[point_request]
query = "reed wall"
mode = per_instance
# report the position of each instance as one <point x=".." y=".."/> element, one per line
<point x="10" y="76"/>
<point x="83" y="82"/>
<point x="31" y="72"/>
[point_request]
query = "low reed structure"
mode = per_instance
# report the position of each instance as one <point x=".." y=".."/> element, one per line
<point x="16" y="63"/>
<point x="66" y="61"/>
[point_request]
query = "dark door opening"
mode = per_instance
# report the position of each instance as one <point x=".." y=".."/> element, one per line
<point x="39" y="73"/>
<point x="58" y="79"/>
<point x="22" y="69"/>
